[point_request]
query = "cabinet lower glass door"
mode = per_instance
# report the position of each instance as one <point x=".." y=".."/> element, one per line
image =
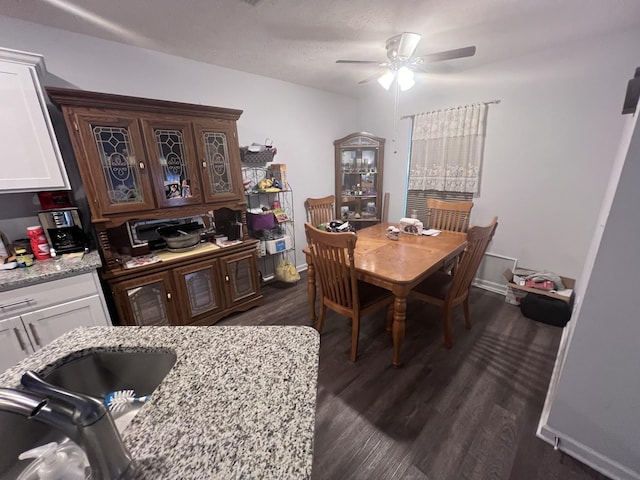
<point x="241" y="274"/>
<point x="148" y="305"/>
<point x="202" y="297"/>
<point x="198" y="286"/>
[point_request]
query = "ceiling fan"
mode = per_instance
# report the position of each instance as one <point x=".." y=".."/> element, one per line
<point x="402" y="62"/>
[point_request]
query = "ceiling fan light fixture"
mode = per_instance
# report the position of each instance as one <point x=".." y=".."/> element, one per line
<point x="405" y="78"/>
<point x="402" y="47"/>
<point x="386" y="79"/>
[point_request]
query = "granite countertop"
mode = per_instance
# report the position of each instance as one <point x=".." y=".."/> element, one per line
<point x="47" y="270"/>
<point x="240" y="402"/>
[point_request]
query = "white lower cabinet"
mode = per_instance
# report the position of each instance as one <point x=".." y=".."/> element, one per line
<point x="15" y="342"/>
<point x="36" y="318"/>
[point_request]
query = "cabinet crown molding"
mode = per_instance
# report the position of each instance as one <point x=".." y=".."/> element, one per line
<point x="34" y="59"/>
<point x="84" y="98"/>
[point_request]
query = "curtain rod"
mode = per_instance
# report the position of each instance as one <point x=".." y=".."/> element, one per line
<point x="453" y="108"/>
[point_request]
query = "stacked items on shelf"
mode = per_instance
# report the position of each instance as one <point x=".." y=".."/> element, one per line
<point x="270" y="219"/>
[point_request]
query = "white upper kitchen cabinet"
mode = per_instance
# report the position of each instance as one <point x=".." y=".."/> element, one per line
<point x="30" y="158"/>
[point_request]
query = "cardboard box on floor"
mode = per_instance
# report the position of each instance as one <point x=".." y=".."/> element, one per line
<point x="564" y="295"/>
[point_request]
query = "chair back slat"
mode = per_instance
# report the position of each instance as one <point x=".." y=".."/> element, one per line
<point x="321" y="210"/>
<point x="334" y="264"/>
<point x="478" y="239"/>
<point x="451" y="216"/>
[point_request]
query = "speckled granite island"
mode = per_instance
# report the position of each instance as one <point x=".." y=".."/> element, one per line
<point x="239" y="402"/>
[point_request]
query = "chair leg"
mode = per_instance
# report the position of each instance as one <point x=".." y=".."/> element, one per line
<point x="390" y="317"/>
<point x="467" y="318"/>
<point x="355" y="331"/>
<point x="446" y="325"/>
<point x="321" y="315"/>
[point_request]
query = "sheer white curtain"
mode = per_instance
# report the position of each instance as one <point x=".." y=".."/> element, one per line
<point x="446" y="149"/>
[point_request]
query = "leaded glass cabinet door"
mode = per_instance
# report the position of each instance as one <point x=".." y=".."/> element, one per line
<point x="146" y="301"/>
<point x="241" y="276"/>
<point x="200" y="292"/>
<point x="219" y="157"/>
<point x="173" y="162"/>
<point x="115" y="161"/>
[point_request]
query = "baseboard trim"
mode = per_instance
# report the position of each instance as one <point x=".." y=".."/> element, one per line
<point x="490" y="286"/>
<point x="586" y="455"/>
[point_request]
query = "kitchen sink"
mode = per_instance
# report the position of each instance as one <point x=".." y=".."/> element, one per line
<point x="95" y="374"/>
<point x="99" y="373"/>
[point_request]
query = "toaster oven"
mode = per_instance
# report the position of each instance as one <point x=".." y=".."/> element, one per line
<point x="145" y="232"/>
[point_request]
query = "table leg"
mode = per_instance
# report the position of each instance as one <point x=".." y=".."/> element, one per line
<point x="399" y="315"/>
<point x="311" y="289"/>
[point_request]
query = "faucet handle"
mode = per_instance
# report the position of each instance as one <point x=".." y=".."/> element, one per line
<point x="90" y="409"/>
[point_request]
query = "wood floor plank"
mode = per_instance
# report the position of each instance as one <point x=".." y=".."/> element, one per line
<point x="491" y="453"/>
<point x="466" y="413"/>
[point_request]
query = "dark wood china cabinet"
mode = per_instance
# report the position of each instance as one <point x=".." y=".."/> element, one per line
<point x="149" y="160"/>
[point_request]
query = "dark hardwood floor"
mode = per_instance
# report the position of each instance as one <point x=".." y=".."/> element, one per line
<point x="466" y="413"/>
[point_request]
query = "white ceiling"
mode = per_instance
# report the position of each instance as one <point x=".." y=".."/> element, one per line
<point x="300" y="40"/>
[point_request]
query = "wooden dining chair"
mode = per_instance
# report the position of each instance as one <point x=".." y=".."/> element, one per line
<point x="447" y="291"/>
<point x="340" y="290"/>
<point x="321" y="210"/>
<point x="451" y="216"/>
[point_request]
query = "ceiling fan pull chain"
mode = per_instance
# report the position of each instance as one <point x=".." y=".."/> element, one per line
<point x="396" y="108"/>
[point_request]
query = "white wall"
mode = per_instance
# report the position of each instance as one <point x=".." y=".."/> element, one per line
<point x="303" y="122"/>
<point x="549" y="142"/>
<point x="549" y="147"/>
<point x="594" y="409"/>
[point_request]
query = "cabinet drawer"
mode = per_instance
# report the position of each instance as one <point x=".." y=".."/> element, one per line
<point x="33" y="297"/>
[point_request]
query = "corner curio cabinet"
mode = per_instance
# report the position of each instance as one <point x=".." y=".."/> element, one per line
<point x="359" y="165"/>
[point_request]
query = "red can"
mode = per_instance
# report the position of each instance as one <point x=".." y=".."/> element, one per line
<point x="39" y="244"/>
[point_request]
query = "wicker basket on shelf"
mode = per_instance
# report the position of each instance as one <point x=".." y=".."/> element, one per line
<point x="256" y="159"/>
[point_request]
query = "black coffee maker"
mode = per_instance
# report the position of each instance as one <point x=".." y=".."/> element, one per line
<point x="63" y="230"/>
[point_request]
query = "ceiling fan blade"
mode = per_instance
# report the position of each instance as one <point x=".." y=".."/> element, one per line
<point x="448" y="55"/>
<point x="369" y="79"/>
<point x="362" y="62"/>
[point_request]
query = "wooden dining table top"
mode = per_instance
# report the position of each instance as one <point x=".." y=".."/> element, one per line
<point x="408" y="259"/>
<point x="395" y="265"/>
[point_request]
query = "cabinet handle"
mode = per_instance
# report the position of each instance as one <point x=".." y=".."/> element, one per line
<point x="168" y="295"/>
<point x="204" y="164"/>
<point x="23" y="347"/>
<point x="226" y="277"/>
<point x="34" y="332"/>
<point x="141" y="165"/>
<point x="26" y="300"/>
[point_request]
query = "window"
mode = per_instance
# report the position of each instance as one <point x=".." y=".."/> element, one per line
<point x="446" y="155"/>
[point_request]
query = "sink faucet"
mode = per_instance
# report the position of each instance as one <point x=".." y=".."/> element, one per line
<point x="82" y="418"/>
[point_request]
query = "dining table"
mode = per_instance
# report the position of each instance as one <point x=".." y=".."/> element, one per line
<point x="395" y="265"/>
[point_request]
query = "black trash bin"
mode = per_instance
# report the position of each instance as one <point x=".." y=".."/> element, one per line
<point x="551" y="311"/>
